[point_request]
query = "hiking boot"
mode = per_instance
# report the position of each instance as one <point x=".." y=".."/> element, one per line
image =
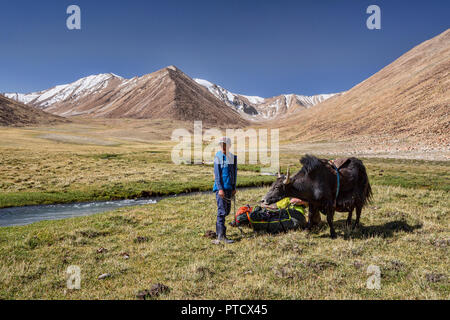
<point x="223" y="239"/>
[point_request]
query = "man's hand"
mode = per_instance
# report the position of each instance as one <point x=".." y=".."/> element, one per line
<point x="233" y="193"/>
<point x="272" y="206"/>
<point x="298" y="201"/>
<point x="221" y="193"/>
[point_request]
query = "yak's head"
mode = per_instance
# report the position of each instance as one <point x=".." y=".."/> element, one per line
<point x="279" y="188"/>
<point x="299" y="185"/>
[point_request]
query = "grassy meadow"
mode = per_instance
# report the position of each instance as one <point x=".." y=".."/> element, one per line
<point x="405" y="230"/>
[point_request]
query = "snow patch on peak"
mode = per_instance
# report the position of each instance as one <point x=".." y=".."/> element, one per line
<point x="254" y="99"/>
<point x="204" y="83"/>
<point x="220" y="93"/>
<point x="24" y="98"/>
<point x="287" y="98"/>
<point x="116" y="76"/>
<point x="74" y="90"/>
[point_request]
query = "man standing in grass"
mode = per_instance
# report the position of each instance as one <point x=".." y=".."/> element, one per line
<point x="225" y="174"/>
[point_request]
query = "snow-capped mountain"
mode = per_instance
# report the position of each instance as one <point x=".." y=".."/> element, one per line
<point x="164" y="94"/>
<point x="73" y="91"/>
<point x="109" y="95"/>
<point x="264" y="108"/>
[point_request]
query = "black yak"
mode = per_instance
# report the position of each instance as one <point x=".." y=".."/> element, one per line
<point x="317" y="184"/>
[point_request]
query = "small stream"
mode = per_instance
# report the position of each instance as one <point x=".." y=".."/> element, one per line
<point x="18" y="216"/>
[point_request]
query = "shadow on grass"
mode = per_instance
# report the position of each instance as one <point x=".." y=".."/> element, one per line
<point x="385" y="230"/>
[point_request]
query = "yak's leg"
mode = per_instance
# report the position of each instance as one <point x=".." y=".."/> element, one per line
<point x="349" y="218"/>
<point x="358" y="215"/>
<point x="311" y="211"/>
<point x="312" y="217"/>
<point x="330" y="218"/>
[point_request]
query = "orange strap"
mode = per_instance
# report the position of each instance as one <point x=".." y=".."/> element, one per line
<point x="249" y="220"/>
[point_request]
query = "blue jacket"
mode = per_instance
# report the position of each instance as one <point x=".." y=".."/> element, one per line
<point x="219" y="165"/>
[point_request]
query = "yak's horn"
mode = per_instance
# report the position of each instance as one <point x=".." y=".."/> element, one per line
<point x="287" y="180"/>
<point x="279" y="172"/>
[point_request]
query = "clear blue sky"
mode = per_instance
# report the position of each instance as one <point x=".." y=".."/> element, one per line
<point x="252" y="47"/>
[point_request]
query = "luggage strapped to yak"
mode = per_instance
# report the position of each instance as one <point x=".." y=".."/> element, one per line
<point x="268" y="223"/>
<point x="270" y="220"/>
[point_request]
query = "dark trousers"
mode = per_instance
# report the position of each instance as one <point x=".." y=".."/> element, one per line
<point x="223" y="209"/>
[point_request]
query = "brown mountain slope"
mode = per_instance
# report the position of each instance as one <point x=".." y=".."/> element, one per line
<point x="164" y="94"/>
<point x="13" y="113"/>
<point x="407" y="100"/>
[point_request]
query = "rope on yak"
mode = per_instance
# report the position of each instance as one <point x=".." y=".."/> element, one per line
<point x="338" y="181"/>
<point x="234" y="208"/>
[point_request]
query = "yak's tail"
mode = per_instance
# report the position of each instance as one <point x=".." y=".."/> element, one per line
<point x="364" y="178"/>
<point x="366" y="195"/>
